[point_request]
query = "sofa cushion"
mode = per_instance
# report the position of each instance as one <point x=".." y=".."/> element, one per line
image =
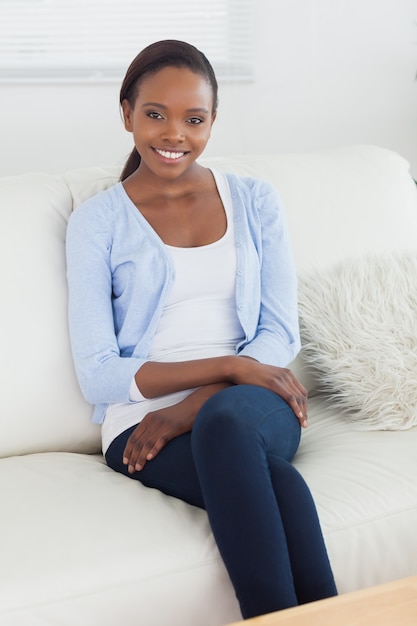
<point x="83" y="545"/>
<point x="364" y="486"/>
<point x="344" y="202"/>
<point x="87" y="182"/>
<point x="42" y="407"/>
<point x="359" y="333"/>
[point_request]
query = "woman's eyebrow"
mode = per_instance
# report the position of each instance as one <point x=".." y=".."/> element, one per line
<point x="198" y="110"/>
<point x="158" y="105"/>
<point x="154" y="104"/>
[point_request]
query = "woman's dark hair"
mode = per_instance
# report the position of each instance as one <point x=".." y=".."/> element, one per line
<point x="168" y="53"/>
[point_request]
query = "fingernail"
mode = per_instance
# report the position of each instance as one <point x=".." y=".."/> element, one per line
<point x="125" y="461"/>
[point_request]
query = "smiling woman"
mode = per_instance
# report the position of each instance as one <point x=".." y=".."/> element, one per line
<point x="191" y="273"/>
<point x="183" y="113"/>
<point x="162" y="126"/>
<point x="171" y="120"/>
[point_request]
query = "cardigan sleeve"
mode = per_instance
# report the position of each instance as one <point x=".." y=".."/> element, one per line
<point x="103" y="374"/>
<point x="276" y="340"/>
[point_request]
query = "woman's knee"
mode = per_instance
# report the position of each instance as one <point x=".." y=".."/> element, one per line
<point x="218" y="406"/>
<point x="246" y="413"/>
<point x="227" y="411"/>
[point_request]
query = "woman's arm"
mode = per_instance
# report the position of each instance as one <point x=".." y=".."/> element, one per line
<point x="104" y="376"/>
<point x="159" y="427"/>
<point x="158" y="379"/>
<point x="276" y="338"/>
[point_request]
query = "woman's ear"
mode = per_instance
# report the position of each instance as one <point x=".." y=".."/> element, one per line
<point x="127" y="115"/>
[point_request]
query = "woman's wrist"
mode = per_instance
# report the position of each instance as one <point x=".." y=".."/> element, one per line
<point x="234" y="366"/>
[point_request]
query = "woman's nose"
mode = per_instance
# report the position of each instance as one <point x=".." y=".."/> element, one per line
<point x="173" y="132"/>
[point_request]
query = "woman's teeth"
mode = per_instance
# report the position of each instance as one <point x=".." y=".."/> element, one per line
<point x="170" y="155"/>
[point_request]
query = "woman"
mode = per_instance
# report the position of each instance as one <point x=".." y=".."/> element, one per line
<point x="183" y="317"/>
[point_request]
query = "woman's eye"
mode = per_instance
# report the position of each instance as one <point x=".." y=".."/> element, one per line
<point x="154" y="115"/>
<point x="195" y="120"/>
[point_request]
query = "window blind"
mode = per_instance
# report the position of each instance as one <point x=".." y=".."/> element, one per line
<point x="72" y="40"/>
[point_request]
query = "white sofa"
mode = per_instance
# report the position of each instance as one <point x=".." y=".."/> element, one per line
<point x="82" y="545"/>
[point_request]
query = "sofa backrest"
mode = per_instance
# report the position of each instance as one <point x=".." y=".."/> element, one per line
<point x="41" y="406"/>
<point x="339" y="203"/>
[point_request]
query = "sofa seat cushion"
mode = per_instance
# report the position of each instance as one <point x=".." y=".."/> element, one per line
<point x="96" y="548"/>
<point x="365" y="488"/>
<point x="81" y="544"/>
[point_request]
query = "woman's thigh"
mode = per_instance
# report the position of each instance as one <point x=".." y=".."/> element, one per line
<point x="229" y="423"/>
<point x="172" y="471"/>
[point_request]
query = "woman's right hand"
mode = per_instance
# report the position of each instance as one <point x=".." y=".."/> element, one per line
<point x="280" y="380"/>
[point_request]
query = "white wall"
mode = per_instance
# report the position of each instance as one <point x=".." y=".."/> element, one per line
<point x="328" y="72"/>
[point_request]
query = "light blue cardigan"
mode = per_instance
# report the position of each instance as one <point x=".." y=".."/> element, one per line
<point x="119" y="273"/>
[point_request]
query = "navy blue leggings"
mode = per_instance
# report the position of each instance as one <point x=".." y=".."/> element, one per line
<point x="236" y="464"/>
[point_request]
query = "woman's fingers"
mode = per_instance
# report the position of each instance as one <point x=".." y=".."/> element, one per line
<point x="294" y="394"/>
<point x="140" y="447"/>
<point x="148" y="439"/>
<point x="303" y="404"/>
<point x="280" y="380"/>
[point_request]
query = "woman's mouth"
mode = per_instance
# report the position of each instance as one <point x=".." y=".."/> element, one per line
<point x="169" y="154"/>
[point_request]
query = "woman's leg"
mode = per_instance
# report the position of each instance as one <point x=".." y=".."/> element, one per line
<point x="260" y="509"/>
<point x="172" y="471"/>
<point x="313" y="578"/>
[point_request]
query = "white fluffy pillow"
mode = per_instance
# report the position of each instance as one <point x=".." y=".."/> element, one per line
<point x="359" y="333"/>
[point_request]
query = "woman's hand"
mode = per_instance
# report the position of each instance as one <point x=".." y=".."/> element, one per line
<point x="152" y="434"/>
<point x="159" y="427"/>
<point x="281" y="380"/>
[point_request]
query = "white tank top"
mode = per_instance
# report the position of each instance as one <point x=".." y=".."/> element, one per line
<point x="199" y="319"/>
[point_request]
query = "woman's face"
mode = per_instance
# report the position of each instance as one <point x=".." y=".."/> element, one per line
<point x="171" y="120"/>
